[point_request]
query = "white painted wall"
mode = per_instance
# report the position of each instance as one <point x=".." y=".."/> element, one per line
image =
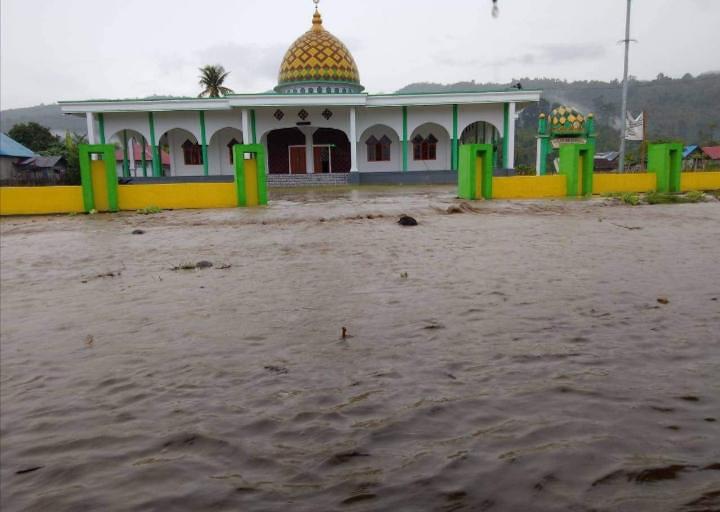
<point x="266" y="122"/>
<point x="490" y="113"/>
<point x="189" y="121"/>
<point x="388" y="116"/>
<point x="395" y="163"/>
<point x="218" y="153"/>
<point x="442" y="115"/>
<point x="442" y="162"/>
<point x="176" y="138"/>
<point x="137" y="122"/>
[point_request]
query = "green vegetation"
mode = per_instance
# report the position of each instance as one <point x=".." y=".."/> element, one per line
<point x="149" y="210"/>
<point x="33" y="136"/>
<point x="694" y="196"/>
<point x="630" y="198"/>
<point x="667" y="198"/>
<point x="212" y="79"/>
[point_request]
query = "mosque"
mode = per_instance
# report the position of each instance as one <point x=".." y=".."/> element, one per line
<point x="318" y="120"/>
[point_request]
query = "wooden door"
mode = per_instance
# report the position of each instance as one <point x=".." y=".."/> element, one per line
<point x="321" y="160"/>
<point x="297" y="160"/>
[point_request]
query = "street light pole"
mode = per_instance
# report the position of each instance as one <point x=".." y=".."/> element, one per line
<point x="623" y="114"/>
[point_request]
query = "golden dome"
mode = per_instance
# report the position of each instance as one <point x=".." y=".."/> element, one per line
<point x="318" y="57"/>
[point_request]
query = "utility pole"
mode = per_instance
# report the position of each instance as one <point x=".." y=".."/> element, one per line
<point x="623" y="115"/>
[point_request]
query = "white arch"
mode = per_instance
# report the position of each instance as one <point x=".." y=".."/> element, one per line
<point x="174" y="138"/>
<point x="219" y="156"/>
<point x="218" y="129"/>
<point x="495" y="131"/>
<point x="443" y="154"/>
<point x="378" y="130"/>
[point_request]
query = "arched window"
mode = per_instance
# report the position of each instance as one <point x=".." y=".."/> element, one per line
<point x="230" y="149"/>
<point x="378" y="150"/>
<point x="192" y="153"/>
<point x="425" y="149"/>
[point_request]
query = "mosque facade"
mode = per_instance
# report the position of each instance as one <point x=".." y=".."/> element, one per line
<point x="318" y="119"/>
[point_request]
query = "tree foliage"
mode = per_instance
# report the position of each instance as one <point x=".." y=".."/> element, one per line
<point x="68" y="149"/>
<point x="212" y="79"/>
<point x="33" y="136"/>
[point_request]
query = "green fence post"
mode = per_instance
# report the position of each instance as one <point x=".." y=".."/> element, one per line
<point x="468" y="171"/>
<point x="244" y="196"/>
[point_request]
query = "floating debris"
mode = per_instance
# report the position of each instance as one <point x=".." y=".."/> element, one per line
<point x="663" y="300"/>
<point x="28" y="470"/>
<point x="138" y="232"/>
<point x="203" y="264"/>
<point x="406" y="220"/>
<point x="280" y="370"/>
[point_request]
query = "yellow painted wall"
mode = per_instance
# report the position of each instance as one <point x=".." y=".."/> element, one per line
<point x="99" y="185"/>
<point x="177" y="196"/>
<point x="700" y="181"/>
<point x="40" y="200"/>
<point x="631" y="182"/>
<point x="529" y="187"/>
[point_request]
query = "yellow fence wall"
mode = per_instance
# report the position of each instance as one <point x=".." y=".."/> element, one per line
<point x="699" y="181"/>
<point x="40" y="200"/>
<point x="177" y="196"/>
<point x="529" y="187"/>
<point x="609" y="183"/>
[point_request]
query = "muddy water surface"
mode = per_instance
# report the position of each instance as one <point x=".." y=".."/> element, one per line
<point x="513" y="356"/>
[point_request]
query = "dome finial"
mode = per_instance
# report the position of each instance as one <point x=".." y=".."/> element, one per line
<point x="317" y="19"/>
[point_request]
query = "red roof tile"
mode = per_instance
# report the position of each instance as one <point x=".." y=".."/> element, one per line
<point x="136" y="153"/>
<point x="712" y="151"/>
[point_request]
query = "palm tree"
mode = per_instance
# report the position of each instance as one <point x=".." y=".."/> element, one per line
<point x="212" y="79"/>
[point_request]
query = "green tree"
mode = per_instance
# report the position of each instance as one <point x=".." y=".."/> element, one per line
<point x="212" y="79"/>
<point x="69" y="150"/>
<point x="33" y="136"/>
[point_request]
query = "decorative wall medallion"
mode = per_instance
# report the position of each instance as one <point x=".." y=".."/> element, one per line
<point x="279" y="114"/>
<point x="303" y="114"/>
<point x="327" y="114"/>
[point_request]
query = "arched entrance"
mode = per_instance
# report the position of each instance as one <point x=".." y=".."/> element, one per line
<point x="331" y="151"/>
<point x="286" y="151"/>
<point x="482" y="132"/>
<point x="308" y="150"/>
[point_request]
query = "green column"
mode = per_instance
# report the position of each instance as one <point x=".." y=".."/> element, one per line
<point x="101" y="123"/>
<point x="506" y="134"/>
<point x="544" y="145"/>
<point x="253" y="127"/>
<point x="157" y="163"/>
<point x="206" y="169"/>
<point x="454" y="147"/>
<point x="404" y="139"/>
<point x="144" y="160"/>
<point x="126" y="164"/>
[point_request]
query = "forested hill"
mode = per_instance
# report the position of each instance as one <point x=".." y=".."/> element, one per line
<point x="686" y="108"/>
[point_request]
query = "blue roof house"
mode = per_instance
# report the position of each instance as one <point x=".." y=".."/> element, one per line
<point x="11" y="152"/>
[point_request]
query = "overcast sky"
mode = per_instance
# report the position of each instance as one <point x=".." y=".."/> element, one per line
<point x="80" y="49"/>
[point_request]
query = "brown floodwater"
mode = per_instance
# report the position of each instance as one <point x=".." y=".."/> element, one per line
<point x="512" y="356"/>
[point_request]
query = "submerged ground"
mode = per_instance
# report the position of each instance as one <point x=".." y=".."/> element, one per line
<point x="513" y="356"/>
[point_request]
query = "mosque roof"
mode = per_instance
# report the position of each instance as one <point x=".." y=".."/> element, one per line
<point x="318" y="56"/>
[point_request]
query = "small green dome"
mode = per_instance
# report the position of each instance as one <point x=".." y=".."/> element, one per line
<point x="566" y="121"/>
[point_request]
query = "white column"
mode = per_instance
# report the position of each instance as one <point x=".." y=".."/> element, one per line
<point x="90" y="117"/>
<point x="353" y="140"/>
<point x="537" y="157"/>
<point x="511" y="138"/>
<point x="309" y="151"/>
<point x="246" y="126"/>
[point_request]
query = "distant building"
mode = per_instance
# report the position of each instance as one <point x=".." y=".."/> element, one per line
<point x="713" y="155"/>
<point x="137" y="165"/>
<point x="607" y="161"/>
<point x="40" y="169"/>
<point x="11" y="152"/>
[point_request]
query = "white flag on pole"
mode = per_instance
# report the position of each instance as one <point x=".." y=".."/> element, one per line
<point x="634" y="127"/>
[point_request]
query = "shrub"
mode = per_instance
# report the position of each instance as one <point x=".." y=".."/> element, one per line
<point x="149" y="210"/>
